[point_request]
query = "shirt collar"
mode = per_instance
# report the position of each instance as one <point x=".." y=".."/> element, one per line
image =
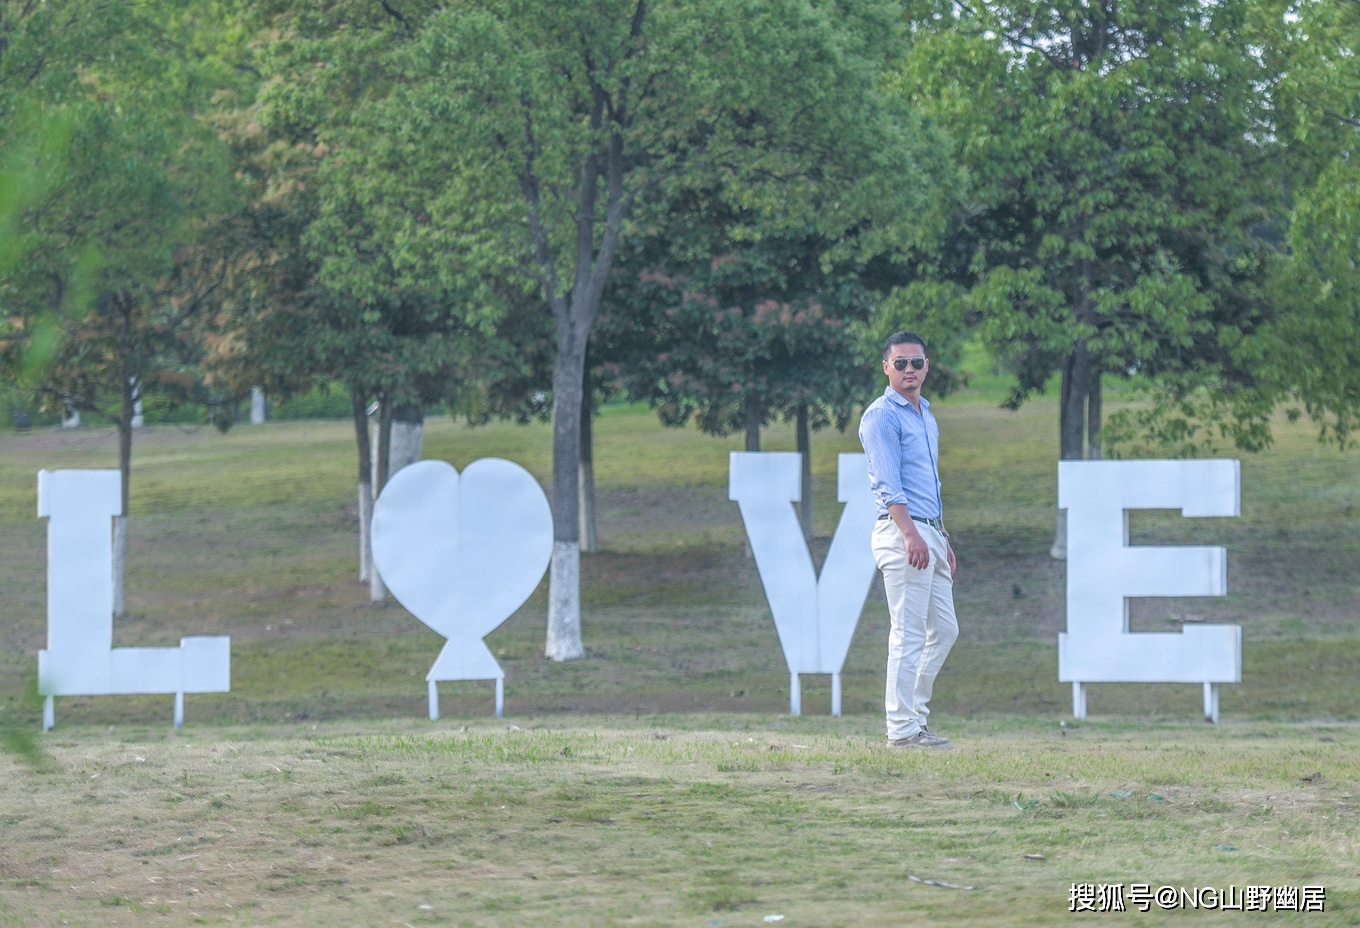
<point x="901" y="400"/>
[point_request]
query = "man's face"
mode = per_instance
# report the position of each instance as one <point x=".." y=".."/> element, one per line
<point x="909" y="379"/>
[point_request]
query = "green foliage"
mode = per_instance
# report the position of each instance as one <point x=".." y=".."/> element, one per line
<point x="736" y="337"/>
<point x="1118" y="160"/>
<point x="736" y="304"/>
<point x="102" y="293"/>
<point x="1199" y="419"/>
<point x="937" y="311"/>
<point x="330" y="401"/>
<point x="26" y="167"/>
<point x="320" y="292"/>
<point x="492" y="159"/>
<point x="395" y="196"/>
<point x="1311" y="353"/>
<point x="763" y="108"/>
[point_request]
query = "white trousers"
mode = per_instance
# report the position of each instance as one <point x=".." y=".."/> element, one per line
<point x="921" y="604"/>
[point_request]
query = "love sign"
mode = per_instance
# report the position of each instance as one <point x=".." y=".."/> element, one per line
<point x="462" y="553"/>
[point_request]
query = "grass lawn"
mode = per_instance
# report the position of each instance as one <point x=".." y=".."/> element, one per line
<point x="691" y="819"/>
<point x="658" y="781"/>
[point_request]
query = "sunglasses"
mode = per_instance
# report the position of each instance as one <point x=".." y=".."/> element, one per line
<point x="901" y="363"/>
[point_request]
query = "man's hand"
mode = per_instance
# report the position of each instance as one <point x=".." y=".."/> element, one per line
<point x="918" y="552"/>
<point x="953" y="564"/>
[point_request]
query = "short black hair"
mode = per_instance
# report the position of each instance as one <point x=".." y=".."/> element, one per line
<point x="903" y="338"/>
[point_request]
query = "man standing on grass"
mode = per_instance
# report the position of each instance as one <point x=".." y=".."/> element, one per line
<point x="911" y="547"/>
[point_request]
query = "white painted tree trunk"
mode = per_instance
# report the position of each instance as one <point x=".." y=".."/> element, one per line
<point x="1059" y="550"/>
<point x="564" y="603"/>
<point x="375" y="442"/>
<point x="257" y="406"/>
<point x="364" y="446"/>
<point x="365" y="527"/>
<point x="563" y="641"/>
<point x="408" y="439"/>
<point x="377" y="590"/>
<point x="590" y="541"/>
<point x="137" y="420"/>
<point x="70" y="418"/>
<point x="602" y="171"/>
<point x="405" y="445"/>
<point x="119" y="563"/>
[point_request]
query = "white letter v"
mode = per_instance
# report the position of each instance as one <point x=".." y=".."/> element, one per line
<point x="815" y="618"/>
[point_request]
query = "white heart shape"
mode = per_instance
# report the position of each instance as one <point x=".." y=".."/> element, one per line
<point x="462" y="553"/>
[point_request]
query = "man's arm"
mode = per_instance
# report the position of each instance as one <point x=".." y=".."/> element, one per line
<point x="918" y="552"/>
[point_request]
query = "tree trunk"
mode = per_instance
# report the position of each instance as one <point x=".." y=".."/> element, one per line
<point x="119" y="564"/>
<point x="590" y="541"/>
<point x="804" y="439"/>
<point x="1072" y="416"/>
<point x="1072" y="427"/>
<point x="377" y="590"/>
<point x="257" y="406"/>
<point x="1077" y="371"/>
<point x="127" y="414"/>
<point x="407" y="438"/>
<point x="359" y="410"/>
<point x="752" y="413"/>
<point x="572" y="320"/>
<point x="382" y="458"/>
<point x="1094" y="449"/>
<point x="564" y="593"/>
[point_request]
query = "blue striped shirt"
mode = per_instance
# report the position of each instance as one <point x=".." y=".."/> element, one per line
<point x="902" y="444"/>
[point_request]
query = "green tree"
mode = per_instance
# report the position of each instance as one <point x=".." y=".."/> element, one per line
<point x="44" y="51"/>
<point x="1118" y="162"/>
<point x="542" y="126"/>
<point x="730" y="334"/>
<point x="278" y="325"/>
<point x="320" y="295"/>
<point x="130" y="191"/>
<point x="1312" y="352"/>
<point x="21" y="183"/>
<point x="311" y="303"/>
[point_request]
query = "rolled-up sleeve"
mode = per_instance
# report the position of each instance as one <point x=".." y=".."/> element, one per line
<point x="883" y="449"/>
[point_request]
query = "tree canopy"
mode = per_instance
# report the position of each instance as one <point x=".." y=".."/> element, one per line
<point x="1313" y="351"/>
<point x="721" y="207"/>
<point x="1119" y="162"/>
<point x="512" y="141"/>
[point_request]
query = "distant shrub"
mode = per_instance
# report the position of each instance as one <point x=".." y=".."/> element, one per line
<point x="331" y="401"/>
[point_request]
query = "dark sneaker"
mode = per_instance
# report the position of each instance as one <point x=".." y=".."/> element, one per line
<point x="924" y="738"/>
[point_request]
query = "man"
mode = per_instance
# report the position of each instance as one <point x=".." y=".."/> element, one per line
<point x="911" y="547"/>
